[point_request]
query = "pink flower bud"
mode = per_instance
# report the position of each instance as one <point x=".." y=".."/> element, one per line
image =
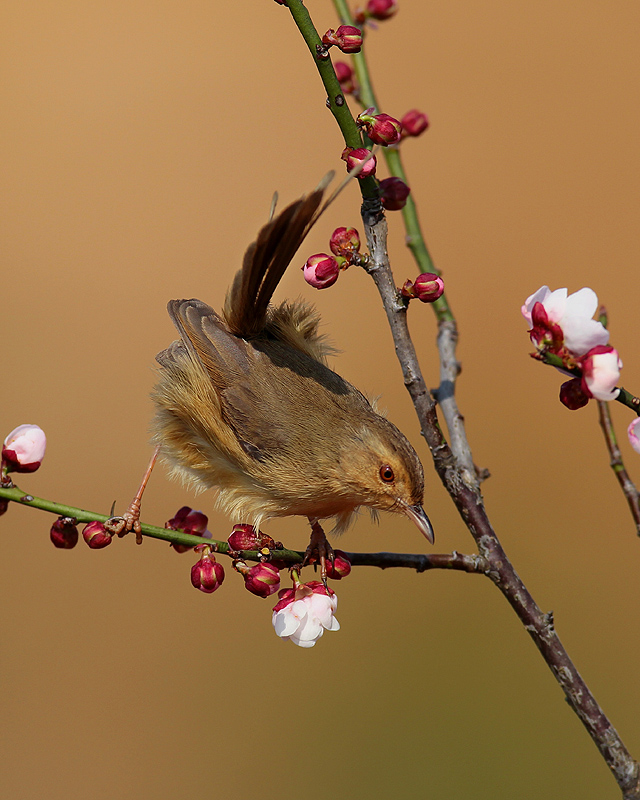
<point x="600" y="372"/>
<point x="414" y="123"/>
<point x="24" y="448"/>
<point x="427" y="287"/>
<point x="347" y="38"/>
<point x="321" y="271"/>
<point x="340" y="567"/>
<point x="380" y="128"/>
<point x="345" y="242"/>
<point x="262" y="579"/>
<point x="572" y="394"/>
<point x="359" y="155"/>
<point x="4" y="505"/>
<point x="64" y="533"/>
<point x="304" y="613"/>
<point x="633" y="436"/>
<point x="381" y="9"/>
<point x="344" y="74"/>
<point x="246" y="537"/>
<point x="393" y="193"/>
<point x="96" y="535"/>
<point x="188" y="521"/>
<point x="206" y="574"/>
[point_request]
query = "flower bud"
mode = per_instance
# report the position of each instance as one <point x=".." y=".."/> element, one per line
<point x="4" y="505"/>
<point x="347" y="38"/>
<point x="321" y="271"/>
<point x="393" y="193"/>
<point x="600" y="372"/>
<point x="188" y="521"/>
<point x="96" y="535"/>
<point x="634" y="441"/>
<point x="414" y="123"/>
<point x="24" y="448"/>
<point x="344" y="74"/>
<point x="359" y="155"/>
<point x="380" y="128"/>
<point x="64" y="533"/>
<point x="303" y="613"/>
<point x="340" y="567"/>
<point x="381" y="9"/>
<point x="262" y="579"/>
<point x="206" y="574"/>
<point x="246" y="537"/>
<point x="345" y="242"/>
<point x="572" y="395"/>
<point x="427" y="287"/>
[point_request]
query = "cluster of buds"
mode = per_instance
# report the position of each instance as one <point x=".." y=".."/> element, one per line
<point x="563" y="326"/>
<point x="345" y="77"/>
<point x="414" y="123"/>
<point x="393" y="193"/>
<point x="359" y="157"/>
<point x="376" y="9"/>
<point x="23" y="449"/>
<point x="427" y="287"/>
<point x="321" y="270"/>
<point x="382" y="129"/>
<point x="346" y="38"/>
<point x="188" y="521"/>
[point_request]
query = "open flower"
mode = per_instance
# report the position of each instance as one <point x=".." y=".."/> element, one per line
<point x="304" y="613"/>
<point x="23" y="449"/>
<point x="600" y="372"/>
<point x="572" y="316"/>
<point x="633" y="436"/>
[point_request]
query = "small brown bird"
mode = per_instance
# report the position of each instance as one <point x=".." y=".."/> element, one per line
<point x="246" y="404"/>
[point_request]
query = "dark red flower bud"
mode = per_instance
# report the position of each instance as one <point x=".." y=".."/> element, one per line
<point x="427" y="287"/>
<point x="381" y="9"/>
<point x="206" y="574"/>
<point x="394" y="193"/>
<point x="262" y="579"/>
<point x="344" y="74"/>
<point x="380" y="128"/>
<point x="188" y="521"/>
<point x="345" y="242"/>
<point x="246" y="537"/>
<point x="64" y="533"/>
<point x="359" y="155"/>
<point x="347" y="38"/>
<point x="572" y="394"/>
<point x="321" y="270"/>
<point x="96" y="535"/>
<point x="340" y="567"/>
<point x="414" y="123"/>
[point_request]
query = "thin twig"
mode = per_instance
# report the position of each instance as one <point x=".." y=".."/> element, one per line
<point x="626" y="484"/>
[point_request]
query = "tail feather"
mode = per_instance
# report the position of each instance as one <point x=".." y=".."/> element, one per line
<point x="266" y="261"/>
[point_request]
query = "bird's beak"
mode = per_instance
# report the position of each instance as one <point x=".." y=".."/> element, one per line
<point x="416" y="513"/>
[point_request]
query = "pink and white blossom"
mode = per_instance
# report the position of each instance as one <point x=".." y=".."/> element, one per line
<point x="24" y="448"/>
<point x="304" y="613"/>
<point x="572" y="314"/>
<point x="600" y="372"/>
<point x="633" y="436"/>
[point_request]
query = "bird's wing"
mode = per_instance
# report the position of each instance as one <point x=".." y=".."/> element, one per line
<point x="265" y="263"/>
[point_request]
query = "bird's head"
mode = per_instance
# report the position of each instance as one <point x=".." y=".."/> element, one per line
<point x="380" y="466"/>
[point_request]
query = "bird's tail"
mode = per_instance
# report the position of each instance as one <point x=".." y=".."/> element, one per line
<point x="267" y="259"/>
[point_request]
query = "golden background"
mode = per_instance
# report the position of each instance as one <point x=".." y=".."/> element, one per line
<point x="141" y="144"/>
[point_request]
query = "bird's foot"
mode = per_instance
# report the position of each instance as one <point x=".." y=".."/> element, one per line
<point x="319" y="550"/>
<point x="130" y="520"/>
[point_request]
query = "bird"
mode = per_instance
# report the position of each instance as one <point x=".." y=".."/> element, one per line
<point x="246" y="405"/>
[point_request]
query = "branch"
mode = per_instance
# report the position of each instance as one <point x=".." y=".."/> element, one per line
<point x="469" y="503"/>
<point x="418" y="561"/>
<point x="627" y="485"/>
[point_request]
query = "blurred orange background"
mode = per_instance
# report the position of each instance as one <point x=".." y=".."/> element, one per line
<point x="141" y="145"/>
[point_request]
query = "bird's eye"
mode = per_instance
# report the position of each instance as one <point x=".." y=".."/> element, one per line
<point x="386" y="473"/>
